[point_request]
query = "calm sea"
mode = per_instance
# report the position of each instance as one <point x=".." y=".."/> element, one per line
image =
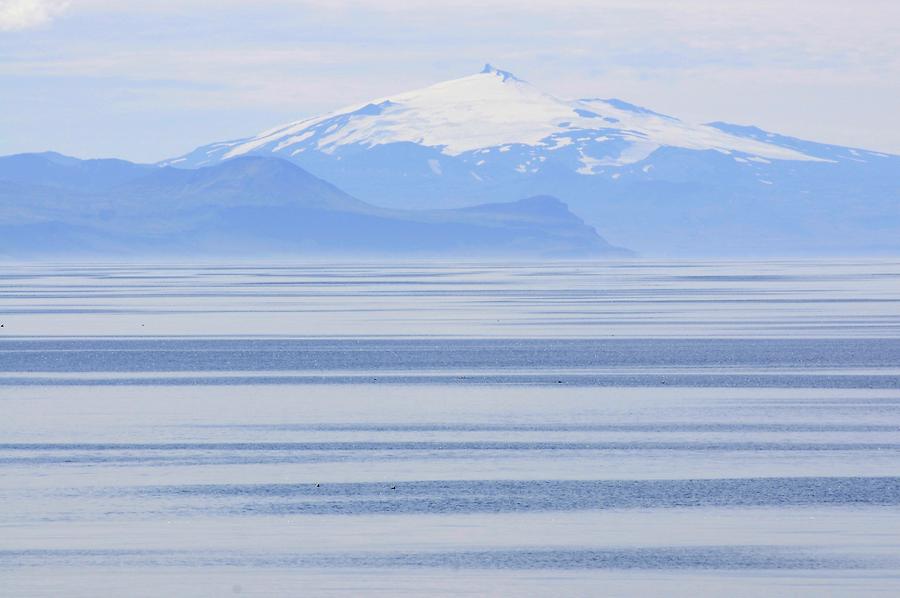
<point x="674" y="428"/>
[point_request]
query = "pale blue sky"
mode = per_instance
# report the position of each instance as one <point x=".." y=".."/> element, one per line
<point x="153" y="79"/>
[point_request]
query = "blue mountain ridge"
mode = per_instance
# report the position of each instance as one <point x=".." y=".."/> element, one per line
<point x="52" y="205"/>
<point x="649" y="181"/>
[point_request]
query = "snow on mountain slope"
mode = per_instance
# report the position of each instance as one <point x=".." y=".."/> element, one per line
<point x="492" y="110"/>
<point x="649" y="181"/>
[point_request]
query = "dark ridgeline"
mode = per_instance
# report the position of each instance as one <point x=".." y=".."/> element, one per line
<point x="254" y="206"/>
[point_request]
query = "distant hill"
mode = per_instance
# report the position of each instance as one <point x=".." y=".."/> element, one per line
<point x="52" y="205"/>
<point x="653" y="182"/>
<point x="56" y="170"/>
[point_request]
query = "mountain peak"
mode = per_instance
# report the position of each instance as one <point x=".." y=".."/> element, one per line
<point x="490" y="69"/>
<point x="487" y="114"/>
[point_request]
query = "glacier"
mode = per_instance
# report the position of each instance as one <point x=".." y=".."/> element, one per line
<point x="491" y="111"/>
<point x="653" y="182"/>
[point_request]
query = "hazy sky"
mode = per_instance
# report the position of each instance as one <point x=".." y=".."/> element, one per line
<point x="150" y="79"/>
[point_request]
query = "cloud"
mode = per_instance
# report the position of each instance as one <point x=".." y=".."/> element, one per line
<point x="820" y="69"/>
<point x="24" y="14"/>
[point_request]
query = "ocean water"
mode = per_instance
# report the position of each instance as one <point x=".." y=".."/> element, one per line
<point x="675" y="428"/>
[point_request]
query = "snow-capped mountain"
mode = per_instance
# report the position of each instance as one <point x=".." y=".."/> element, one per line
<point x="492" y="111"/>
<point x="649" y="180"/>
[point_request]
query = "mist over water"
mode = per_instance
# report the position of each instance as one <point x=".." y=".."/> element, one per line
<point x="636" y="427"/>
